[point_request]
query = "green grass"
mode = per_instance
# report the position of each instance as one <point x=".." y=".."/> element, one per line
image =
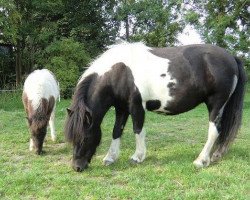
<point x="173" y="142"/>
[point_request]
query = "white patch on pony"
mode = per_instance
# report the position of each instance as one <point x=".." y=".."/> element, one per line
<point x="203" y="159"/>
<point x="235" y="81"/>
<point x="113" y="152"/>
<point x="42" y="84"/>
<point x="31" y="145"/>
<point x="145" y="66"/>
<point x="140" y="152"/>
<point x="231" y="92"/>
<point x="52" y="125"/>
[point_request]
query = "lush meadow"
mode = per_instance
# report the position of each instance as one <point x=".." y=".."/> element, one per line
<point x="173" y="142"/>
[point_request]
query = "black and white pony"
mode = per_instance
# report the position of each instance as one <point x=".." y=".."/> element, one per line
<point x="40" y="92"/>
<point x="134" y="78"/>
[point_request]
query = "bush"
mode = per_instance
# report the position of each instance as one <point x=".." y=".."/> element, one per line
<point x="67" y="59"/>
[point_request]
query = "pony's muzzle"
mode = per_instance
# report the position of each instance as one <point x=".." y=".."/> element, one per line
<point x="79" y="165"/>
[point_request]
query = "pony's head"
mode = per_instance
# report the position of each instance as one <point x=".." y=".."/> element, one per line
<point x="38" y="128"/>
<point x="80" y="131"/>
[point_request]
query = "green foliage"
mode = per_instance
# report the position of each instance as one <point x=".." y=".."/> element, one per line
<point x="11" y="100"/>
<point x="89" y="22"/>
<point x="6" y="71"/>
<point x="31" y="26"/>
<point x="66" y="58"/>
<point x="224" y="23"/>
<point x="154" y="22"/>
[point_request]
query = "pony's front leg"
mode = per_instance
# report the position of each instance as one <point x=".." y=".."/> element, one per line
<point x="113" y="152"/>
<point x="138" y="115"/>
<point x="52" y="125"/>
<point x="140" y="152"/>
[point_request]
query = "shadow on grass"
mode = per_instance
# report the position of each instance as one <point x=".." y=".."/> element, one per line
<point x="56" y="148"/>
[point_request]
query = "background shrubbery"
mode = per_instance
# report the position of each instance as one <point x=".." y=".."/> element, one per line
<point x="67" y="59"/>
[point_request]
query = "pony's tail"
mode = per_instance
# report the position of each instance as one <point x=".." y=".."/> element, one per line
<point x="232" y="114"/>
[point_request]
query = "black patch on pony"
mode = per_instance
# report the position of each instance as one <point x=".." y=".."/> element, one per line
<point x="153" y="105"/>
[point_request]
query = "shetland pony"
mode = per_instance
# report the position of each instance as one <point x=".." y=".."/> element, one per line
<point x="39" y="97"/>
<point x="135" y="78"/>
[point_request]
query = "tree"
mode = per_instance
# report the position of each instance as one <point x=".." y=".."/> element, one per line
<point x="24" y="24"/>
<point x="90" y="22"/>
<point x="156" y="22"/>
<point x="67" y="59"/>
<point x="222" y="22"/>
<point x="32" y="25"/>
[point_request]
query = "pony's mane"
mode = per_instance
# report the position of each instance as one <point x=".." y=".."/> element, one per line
<point x="74" y="127"/>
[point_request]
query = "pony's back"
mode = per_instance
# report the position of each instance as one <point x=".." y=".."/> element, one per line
<point x="41" y="84"/>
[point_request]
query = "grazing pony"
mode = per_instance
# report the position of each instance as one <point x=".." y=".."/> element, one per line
<point x="134" y="78"/>
<point x="40" y="93"/>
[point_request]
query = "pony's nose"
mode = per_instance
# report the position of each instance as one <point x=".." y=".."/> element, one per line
<point x="78" y="169"/>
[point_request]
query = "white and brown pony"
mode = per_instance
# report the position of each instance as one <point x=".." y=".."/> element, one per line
<point x="135" y="78"/>
<point x="39" y="97"/>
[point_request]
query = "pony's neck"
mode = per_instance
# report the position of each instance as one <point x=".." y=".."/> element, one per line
<point x="97" y="95"/>
<point x="99" y="106"/>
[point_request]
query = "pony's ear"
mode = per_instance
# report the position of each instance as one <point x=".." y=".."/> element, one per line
<point x="69" y="111"/>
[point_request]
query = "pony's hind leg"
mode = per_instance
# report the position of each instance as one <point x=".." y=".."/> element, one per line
<point x="52" y="125"/>
<point x="203" y="159"/>
<point x="215" y="113"/>
<point x="114" y="149"/>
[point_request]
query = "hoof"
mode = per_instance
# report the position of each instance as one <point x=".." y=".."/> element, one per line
<point x="201" y="163"/>
<point x="107" y="162"/>
<point x="134" y="162"/>
<point x="41" y="152"/>
<point x="138" y="157"/>
<point x="216" y="157"/>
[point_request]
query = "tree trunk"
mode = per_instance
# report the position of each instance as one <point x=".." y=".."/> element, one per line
<point x="18" y="64"/>
<point x="127" y="27"/>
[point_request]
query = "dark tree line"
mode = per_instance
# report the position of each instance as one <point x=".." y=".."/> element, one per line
<point x="64" y="35"/>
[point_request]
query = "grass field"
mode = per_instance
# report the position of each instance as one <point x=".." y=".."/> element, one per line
<point x="173" y="142"/>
